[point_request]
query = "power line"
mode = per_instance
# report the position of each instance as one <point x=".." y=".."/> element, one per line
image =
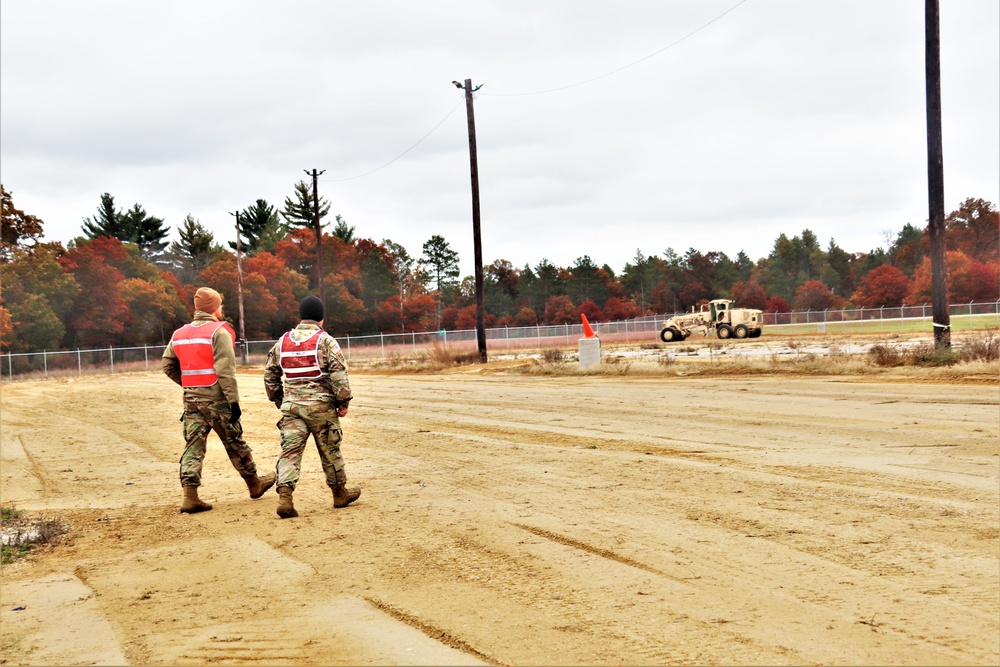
<point x="539" y="92"/>
<point x="623" y="67"/>
<point x="440" y="123"/>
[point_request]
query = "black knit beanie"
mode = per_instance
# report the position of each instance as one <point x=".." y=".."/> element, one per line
<point x="311" y="308"/>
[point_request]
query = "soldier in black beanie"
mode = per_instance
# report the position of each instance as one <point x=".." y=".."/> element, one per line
<point x="306" y="378"/>
<point x="311" y="308"/>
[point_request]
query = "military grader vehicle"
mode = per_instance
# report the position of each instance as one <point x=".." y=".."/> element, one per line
<point x="719" y="314"/>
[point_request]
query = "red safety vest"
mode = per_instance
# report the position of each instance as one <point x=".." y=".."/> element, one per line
<point x="300" y="360"/>
<point x="193" y="347"/>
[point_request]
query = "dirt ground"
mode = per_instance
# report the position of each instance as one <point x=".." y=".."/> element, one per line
<point x="509" y="519"/>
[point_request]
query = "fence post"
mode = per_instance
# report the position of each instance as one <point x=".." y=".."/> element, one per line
<point x="79" y="363"/>
<point x="381" y="342"/>
<point x="111" y="352"/>
<point x="45" y="361"/>
<point x="10" y="366"/>
<point x="145" y="353"/>
<point x="413" y="338"/>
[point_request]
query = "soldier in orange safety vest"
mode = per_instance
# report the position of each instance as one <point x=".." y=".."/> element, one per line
<point x="200" y="357"/>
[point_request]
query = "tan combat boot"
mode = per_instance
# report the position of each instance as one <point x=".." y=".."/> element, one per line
<point x="192" y="503"/>
<point x="343" y="496"/>
<point x="258" y="485"/>
<point x="286" y="510"/>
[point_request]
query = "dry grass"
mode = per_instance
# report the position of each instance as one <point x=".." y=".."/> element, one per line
<point x="20" y="533"/>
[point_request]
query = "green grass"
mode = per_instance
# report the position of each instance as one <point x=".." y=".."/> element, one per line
<point x="915" y="325"/>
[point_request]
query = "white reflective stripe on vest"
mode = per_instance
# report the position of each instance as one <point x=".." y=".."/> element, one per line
<point x="193" y="341"/>
<point x="300" y="353"/>
<point x="206" y="371"/>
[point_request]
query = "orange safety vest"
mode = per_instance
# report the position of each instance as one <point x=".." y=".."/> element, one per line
<point x="193" y="347"/>
<point x="300" y="360"/>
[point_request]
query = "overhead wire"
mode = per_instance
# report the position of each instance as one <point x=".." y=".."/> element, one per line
<point x="538" y="92"/>
<point x="367" y="173"/>
<point x="623" y="67"/>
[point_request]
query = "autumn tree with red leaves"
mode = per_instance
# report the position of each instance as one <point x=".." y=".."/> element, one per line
<point x="885" y="286"/>
<point x="749" y="295"/>
<point x="968" y="280"/>
<point x="814" y="295"/>
<point x="99" y="312"/>
<point x="560" y="310"/>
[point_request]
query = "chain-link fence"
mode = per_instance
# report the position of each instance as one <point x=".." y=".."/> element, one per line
<point x="974" y="315"/>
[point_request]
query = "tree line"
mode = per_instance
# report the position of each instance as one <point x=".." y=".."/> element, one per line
<point x="122" y="283"/>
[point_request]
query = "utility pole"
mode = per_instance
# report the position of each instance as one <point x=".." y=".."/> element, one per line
<point x="319" y="235"/>
<point x="476" y="236"/>
<point x="239" y="288"/>
<point x="935" y="177"/>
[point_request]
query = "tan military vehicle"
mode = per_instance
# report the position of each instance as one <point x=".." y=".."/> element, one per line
<point x="719" y="314"/>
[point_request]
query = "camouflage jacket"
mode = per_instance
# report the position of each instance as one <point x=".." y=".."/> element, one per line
<point x="331" y="387"/>
<point x="225" y="365"/>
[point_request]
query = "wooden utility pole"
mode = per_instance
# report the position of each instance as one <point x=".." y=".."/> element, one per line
<point x="239" y="288"/>
<point x="319" y="235"/>
<point x="935" y="177"/>
<point x="476" y="236"/>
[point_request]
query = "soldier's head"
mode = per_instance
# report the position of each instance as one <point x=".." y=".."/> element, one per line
<point x="311" y="308"/>
<point x="207" y="300"/>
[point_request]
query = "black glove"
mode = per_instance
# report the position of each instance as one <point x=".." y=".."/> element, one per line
<point x="279" y="399"/>
<point x="235" y="409"/>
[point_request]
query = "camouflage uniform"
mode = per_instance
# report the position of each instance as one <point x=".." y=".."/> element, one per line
<point x="309" y="406"/>
<point x="207" y="409"/>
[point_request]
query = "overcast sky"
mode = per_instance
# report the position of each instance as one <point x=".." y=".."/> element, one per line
<point x="774" y="117"/>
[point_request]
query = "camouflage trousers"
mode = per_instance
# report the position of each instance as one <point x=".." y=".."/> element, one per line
<point x="297" y="423"/>
<point x="201" y="418"/>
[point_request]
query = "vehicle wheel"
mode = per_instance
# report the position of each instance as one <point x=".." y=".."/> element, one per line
<point x="756" y="333"/>
<point x="669" y="335"/>
<point x="723" y="331"/>
<point x="741" y="331"/>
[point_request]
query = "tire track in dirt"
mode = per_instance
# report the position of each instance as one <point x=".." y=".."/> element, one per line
<point x="432" y="632"/>
<point x="597" y="551"/>
<point x="460" y="439"/>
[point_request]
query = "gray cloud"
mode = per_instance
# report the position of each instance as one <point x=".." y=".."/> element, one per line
<point x="779" y="116"/>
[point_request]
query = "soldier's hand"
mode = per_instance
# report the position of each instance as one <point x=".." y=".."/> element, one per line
<point x="277" y="403"/>
<point x="234" y="408"/>
<point x="342" y="411"/>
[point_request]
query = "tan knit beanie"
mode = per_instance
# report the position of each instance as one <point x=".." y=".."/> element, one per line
<point x="207" y="300"/>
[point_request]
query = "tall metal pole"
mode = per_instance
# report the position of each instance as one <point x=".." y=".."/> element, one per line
<point x="476" y="236"/>
<point x="935" y="177"/>
<point x="239" y="288"/>
<point x="319" y="235"/>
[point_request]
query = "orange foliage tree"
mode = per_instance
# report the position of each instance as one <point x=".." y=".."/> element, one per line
<point x="560" y="310"/>
<point x="968" y="280"/>
<point x="814" y="295"/>
<point x="883" y="286"/>
<point x="99" y="312"/>
<point x="749" y="294"/>
<point x="259" y="305"/>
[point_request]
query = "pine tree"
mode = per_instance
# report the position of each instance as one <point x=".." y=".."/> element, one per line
<point x="107" y="222"/>
<point x="144" y="230"/>
<point x="196" y="247"/>
<point x="260" y="228"/>
<point x="343" y="231"/>
<point x="299" y="211"/>
<point x="442" y="260"/>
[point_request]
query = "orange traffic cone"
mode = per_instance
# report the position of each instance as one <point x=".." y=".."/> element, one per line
<point x="587" y="331"/>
